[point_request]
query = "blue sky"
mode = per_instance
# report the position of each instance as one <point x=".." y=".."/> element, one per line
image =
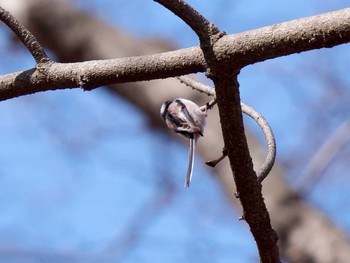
<point x="76" y="179"/>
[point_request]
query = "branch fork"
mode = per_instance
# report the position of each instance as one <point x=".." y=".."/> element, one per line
<point x="255" y="115"/>
<point x="224" y="76"/>
<point x="25" y="36"/>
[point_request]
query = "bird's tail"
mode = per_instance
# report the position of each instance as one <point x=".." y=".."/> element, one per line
<point x="190" y="162"/>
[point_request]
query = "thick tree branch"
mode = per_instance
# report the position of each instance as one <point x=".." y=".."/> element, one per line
<point x="239" y="50"/>
<point x="92" y="74"/>
<point x="248" y="187"/>
<point x="314" y="32"/>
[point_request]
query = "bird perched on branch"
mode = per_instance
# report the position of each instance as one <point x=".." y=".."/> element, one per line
<point x="187" y="118"/>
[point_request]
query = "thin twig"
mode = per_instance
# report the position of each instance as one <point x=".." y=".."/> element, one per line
<point x="210" y="104"/>
<point x="215" y="162"/>
<point x="201" y="88"/>
<point x="260" y="120"/>
<point x="269" y="137"/>
<point x="25" y="36"/>
<point x="197" y="85"/>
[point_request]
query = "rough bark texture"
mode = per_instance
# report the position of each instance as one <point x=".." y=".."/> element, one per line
<point x="248" y="187"/>
<point x="305" y="234"/>
<point x="238" y="50"/>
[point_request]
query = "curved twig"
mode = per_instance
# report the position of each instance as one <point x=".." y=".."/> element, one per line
<point x="25" y="36"/>
<point x="260" y="120"/>
<point x="270" y="140"/>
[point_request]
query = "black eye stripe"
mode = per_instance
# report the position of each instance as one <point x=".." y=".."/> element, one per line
<point x="165" y="109"/>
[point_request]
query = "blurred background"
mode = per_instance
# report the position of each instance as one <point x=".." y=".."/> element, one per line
<point x="95" y="177"/>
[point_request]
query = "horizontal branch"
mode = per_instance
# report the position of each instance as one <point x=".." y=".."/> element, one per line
<point x="91" y="74"/>
<point x="295" y="36"/>
<point x="239" y="50"/>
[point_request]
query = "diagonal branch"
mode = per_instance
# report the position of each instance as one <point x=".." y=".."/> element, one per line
<point x="322" y="158"/>
<point x="197" y="85"/>
<point x="198" y="23"/>
<point x="248" y="188"/>
<point x="25" y="36"/>
<point x="207" y="32"/>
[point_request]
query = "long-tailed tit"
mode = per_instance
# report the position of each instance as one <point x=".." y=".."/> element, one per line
<point x="185" y="117"/>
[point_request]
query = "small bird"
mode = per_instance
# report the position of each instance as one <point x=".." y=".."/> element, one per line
<point x="185" y="117"/>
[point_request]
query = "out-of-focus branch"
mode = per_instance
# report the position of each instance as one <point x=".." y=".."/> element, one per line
<point x="322" y="158"/>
